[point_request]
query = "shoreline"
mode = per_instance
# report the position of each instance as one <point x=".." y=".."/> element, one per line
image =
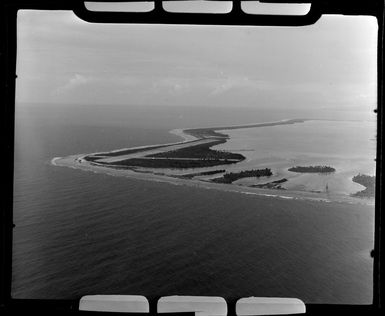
<point x="190" y="138"/>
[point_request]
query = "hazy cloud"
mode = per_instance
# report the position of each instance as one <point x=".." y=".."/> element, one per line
<point x="73" y="83"/>
<point x="62" y="59"/>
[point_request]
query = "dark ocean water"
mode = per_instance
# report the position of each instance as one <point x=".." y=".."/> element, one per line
<point x="80" y="233"/>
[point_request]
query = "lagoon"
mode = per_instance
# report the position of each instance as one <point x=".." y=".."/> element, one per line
<point x="347" y="146"/>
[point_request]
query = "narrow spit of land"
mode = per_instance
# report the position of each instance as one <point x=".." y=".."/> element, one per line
<point x="195" y="153"/>
<point x="193" y="161"/>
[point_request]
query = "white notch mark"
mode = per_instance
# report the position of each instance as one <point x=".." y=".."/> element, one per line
<point x="119" y="6"/>
<point x="198" y="6"/>
<point x="114" y="303"/>
<point x="256" y="7"/>
<point x="201" y="305"/>
<point x="249" y="306"/>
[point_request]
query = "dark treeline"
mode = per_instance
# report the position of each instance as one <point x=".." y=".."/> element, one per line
<point x="171" y="163"/>
<point x="312" y="169"/>
<point x="91" y="158"/>
<point x="201" y="151"/>
<point x="233" y="176"/>
<point x="368" y="182"/>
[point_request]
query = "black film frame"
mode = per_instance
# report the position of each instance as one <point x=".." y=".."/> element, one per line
<point x="8" y="20"/>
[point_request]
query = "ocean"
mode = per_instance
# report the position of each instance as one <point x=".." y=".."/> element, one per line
<point x="79" y="233"/>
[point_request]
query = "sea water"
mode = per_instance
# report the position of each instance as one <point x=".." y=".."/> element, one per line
<point x="80" y="233"/>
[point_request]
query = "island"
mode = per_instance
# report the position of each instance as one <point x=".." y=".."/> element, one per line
<point x="312" y="169"/>
<point x="233" y="176"/>
<point x="368" y="182"/>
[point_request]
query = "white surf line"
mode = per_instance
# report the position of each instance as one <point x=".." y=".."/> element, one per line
<point x="149" y="176"/>
<point x="164" y="178"/>
<point x="304" y="198"/>
<point x="53" y="160"/>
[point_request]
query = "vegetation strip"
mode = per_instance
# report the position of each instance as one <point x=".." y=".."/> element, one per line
<point x="233" y="176"/>
<point x="201" y="151"/>
<point x="172" y="163"/>
<point x="312" y="169"/>
<point x="368" y="182"/>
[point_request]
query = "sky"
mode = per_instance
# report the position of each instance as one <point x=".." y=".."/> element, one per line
<point x="64" y="60"/>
